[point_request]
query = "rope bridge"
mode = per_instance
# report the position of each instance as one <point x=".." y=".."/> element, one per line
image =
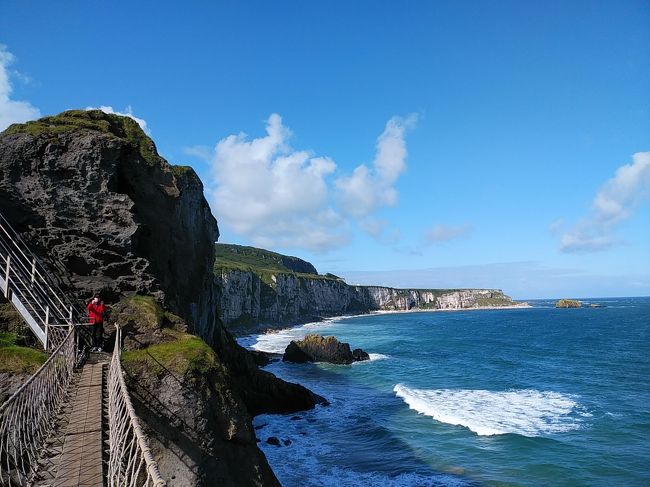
<point x="28" y="417"/>
<point x="130" y="462"/>
<point x="26" y="421"/>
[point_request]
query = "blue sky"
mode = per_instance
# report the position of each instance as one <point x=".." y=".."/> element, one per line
<point x="498" y="144"/>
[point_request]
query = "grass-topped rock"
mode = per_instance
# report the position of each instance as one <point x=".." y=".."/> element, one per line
<point x="316" y="348"/>
<point x="18" y="359"/>
<point x="181" y="354"/>
<point x="568" y="303"/>
<point x="259" y="260"/>
<point x="90" y="121"/>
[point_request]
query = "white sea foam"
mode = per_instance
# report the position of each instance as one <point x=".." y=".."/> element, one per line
<point x="311" y="461"/>
<point x="373" y="358"/>
<point x="525" y="412"/>
<point x="275" y="341"/>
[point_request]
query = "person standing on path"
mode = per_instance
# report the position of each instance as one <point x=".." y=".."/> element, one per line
<point x="96" y="310"/>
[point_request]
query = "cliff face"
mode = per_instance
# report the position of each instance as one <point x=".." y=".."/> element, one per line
<point x="94" y="199"/>
<point x="247" y="298"/>
<point x="90" y="190"/>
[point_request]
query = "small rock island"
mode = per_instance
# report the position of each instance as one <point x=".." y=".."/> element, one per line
<point x="316" y="348"/>
<point x="568" y="303"/>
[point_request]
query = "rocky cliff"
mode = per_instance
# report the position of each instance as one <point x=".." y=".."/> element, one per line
<point x="91" y="195"/>
<point x="249" y="296"/>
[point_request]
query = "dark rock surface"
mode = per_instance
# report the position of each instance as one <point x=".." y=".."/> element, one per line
<point x="359" y="355"/>
<point x="107" y="214"/>
<point x="315" y="348"/>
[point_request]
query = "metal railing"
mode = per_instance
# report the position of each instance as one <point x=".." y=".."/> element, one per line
<point x="130" y="461"/>
<point x="26" y="283"/>
<point x="27" y="417"/>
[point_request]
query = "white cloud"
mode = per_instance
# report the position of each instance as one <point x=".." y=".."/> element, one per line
<point x="273" y="194"/>
<point x="444" y="233"/>
<point x="128" y="112"/>
<point x="12" y="111"/>
<point x="278" y="196"/>
<point x="368" y="189"/>
<point x="612" y="205"/>
<point x="202" y="152"/>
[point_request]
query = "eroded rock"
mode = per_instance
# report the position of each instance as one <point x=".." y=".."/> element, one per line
<point x="316" y="348"/>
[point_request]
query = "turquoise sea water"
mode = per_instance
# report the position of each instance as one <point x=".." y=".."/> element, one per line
<point x="538" y="396"/>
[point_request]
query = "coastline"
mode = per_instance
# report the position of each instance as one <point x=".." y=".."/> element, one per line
<point x="264" y="328"/>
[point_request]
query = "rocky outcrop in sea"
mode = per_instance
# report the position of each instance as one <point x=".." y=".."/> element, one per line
<point x="316" y="348"/>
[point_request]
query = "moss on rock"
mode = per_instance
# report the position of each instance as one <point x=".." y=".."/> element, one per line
<point x="16" y="359"/>
<point x="91" y="120"/>
<point x="568" y="303"/>
<point x="183" y="355"/>
<point x="141" y="311"/>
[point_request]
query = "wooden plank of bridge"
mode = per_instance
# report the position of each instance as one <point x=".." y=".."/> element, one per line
<point x="81" y="459"/>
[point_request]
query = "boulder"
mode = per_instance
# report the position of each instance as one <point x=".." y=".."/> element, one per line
<point x="316" y="348"/>
<point x="358" y="355"/>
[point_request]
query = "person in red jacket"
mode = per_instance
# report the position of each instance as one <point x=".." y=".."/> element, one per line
<point x="96" y="310"/>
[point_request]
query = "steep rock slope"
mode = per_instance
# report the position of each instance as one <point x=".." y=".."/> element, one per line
<point x="251" y="291"/>
<point x="95" y="200"/>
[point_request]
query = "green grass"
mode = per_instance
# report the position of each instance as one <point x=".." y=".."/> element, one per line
<point x="183" y="354"/>
<point x="143" y="310"/>
<point x="94" y="121"/>
<point x="15" y="359"/>
<point x="251" y="258"/>
<point x="264" y="263"/>
<point x="494" y="302"/>
<point x="182" y="170"/>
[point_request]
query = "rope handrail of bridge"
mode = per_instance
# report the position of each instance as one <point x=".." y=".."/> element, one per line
<point x="26" y="418"/>
<point x="130" y="460"/>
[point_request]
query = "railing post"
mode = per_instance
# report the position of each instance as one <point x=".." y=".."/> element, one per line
<point x="6" y="289"/>
<point x="47" y="326"/>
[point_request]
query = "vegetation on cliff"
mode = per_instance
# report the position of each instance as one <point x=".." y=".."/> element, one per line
<point x="256" y="288"/>
<point x="17" y="356"/>
<point x="260" y="261"/>
<point x="17" y="359"/>
<point x="94" y="121"/>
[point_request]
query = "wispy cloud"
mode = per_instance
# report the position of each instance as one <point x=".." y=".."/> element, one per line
<point x="369" y="188"/>
<point x="128" y="112"/>
<point x="12" y="111"/>
<point x="202" y="152"/>
<point x="445" y="233"/>
<point x="614" y="203"/>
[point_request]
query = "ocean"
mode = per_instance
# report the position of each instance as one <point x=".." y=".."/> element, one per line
<point x="537" y="396"/>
